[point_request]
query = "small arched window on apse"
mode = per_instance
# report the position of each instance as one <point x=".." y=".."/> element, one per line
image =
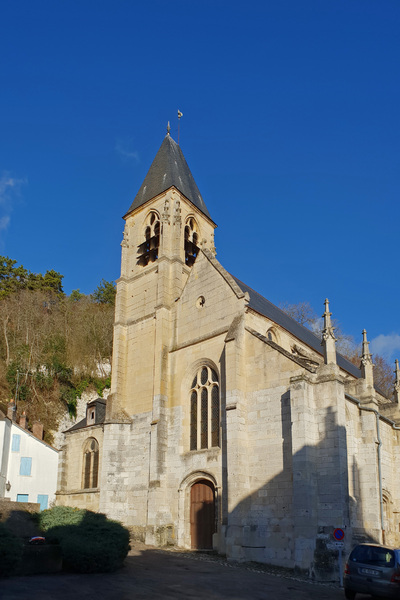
<point x="191" y="241"/>
<point x="271" y="335"/>
<point x="90" y="464"/>
<point x="148" y="250"/>
<point x="204" y="409"/>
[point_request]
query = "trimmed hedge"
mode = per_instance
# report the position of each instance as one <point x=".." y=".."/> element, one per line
<point x="59" y="516"/>
<point x="11" y="548"/>
<point x="90" y="542"/>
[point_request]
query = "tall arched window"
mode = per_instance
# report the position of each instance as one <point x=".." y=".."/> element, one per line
<point x="90" y="464"/>
<point x="204" y="409"/>
<point x="148" y="250"/>
<point x="191" y="241"/>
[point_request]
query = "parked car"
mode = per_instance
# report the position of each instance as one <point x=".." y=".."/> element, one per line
<point x="372" y="569"/>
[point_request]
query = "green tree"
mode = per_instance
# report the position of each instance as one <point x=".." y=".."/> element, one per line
<point x="12" y="278"/>
<point x="52" y="282"/>
<point x="76" y="295"/>
<point x="105" y="292"/>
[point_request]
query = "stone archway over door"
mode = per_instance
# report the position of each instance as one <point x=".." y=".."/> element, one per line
<point x="202" y="514"/>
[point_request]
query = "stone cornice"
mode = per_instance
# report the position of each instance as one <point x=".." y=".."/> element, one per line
<point x="78" y="492"/>
<point x="146" y="271"/>
<point x="326" y="377"/>
<point x="135" y="321"/>
<point x="302" y="377"/>
<point x="202" y="338"/>
<point x="153" y="269"/>
<point x="300" y="361"/>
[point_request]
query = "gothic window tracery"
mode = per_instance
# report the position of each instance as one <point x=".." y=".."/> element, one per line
<point x="148" y="250"/>
<point x="204" y="409"/>
<point x="90" y="464"/>
<point x="191" y="241"/>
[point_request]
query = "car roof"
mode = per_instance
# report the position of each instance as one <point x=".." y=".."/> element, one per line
<point x="385" y="546"/>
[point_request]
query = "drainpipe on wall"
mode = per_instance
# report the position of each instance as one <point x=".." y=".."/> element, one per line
<point x="377" y="415"/>
<point x="380" y="475"/>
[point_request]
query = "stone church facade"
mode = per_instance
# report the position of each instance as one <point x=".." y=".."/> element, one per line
<point x="229" y="425"/>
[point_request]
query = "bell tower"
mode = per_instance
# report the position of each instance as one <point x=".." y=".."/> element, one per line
<point x="165" y="228"/>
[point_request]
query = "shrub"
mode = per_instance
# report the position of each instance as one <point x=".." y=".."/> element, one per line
<point x="11" y="549"/>
<point x="90" y="542"/>
<point x="59" y="516"/>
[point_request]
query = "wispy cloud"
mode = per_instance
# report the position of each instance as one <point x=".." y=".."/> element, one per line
<point x="125" y="150"/>
<point x="387" y="346"/>
<point x="9" y="191"/>
<point x="7" y="183"/>
<point x="4" y="221"/>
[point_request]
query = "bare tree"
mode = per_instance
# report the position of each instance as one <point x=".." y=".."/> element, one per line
<point x="303" y="313"/>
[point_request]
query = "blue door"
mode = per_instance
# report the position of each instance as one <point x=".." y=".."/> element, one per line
<point x="22" y="497"/>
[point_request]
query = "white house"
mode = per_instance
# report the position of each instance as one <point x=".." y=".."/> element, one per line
<point x="28" y="465"/>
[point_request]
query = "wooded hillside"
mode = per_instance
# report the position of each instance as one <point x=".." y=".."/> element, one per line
<point x="52" y="346"/>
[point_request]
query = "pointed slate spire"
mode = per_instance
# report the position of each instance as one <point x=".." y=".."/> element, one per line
<point x="169" y="168"/>
<point x="367" y="365"/>
<point x="328" y="337"/>
<point x="397" y="383"/>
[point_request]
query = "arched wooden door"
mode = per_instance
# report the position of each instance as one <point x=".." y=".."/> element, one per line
<point x="202" y="514"/>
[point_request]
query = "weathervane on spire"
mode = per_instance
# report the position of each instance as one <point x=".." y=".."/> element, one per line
<point x="180" y="114"/>
<point x="168" y="128"/>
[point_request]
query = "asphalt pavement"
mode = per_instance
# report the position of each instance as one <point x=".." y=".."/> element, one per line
<point x="153" y="573"/>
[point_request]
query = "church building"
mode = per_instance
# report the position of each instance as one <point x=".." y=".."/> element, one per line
<point x="229" y="425"/>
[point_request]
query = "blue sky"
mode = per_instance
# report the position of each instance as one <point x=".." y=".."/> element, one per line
<point x="290" y="128"/>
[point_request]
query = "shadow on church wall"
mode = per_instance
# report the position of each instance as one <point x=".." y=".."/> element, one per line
<point x="289" y="521"/>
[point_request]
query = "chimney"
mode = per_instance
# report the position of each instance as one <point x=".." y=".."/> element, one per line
<point x="22" y="420"/>
<point x="37" y="430"/>
<point x="11" y="410"/>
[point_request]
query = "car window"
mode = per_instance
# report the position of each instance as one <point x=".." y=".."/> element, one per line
<point x="373" y="555"/>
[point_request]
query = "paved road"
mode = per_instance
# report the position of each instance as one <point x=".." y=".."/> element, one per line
<point x="152" y="573"/>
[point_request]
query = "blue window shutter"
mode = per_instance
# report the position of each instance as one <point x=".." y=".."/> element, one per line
<point x="22" y="497"/>
<point x="43" y="500"/>
<point x="25" y="466"/>
<point x="16" y="442"/>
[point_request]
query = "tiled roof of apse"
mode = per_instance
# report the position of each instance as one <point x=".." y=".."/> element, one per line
<point x="169" y="168"/>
